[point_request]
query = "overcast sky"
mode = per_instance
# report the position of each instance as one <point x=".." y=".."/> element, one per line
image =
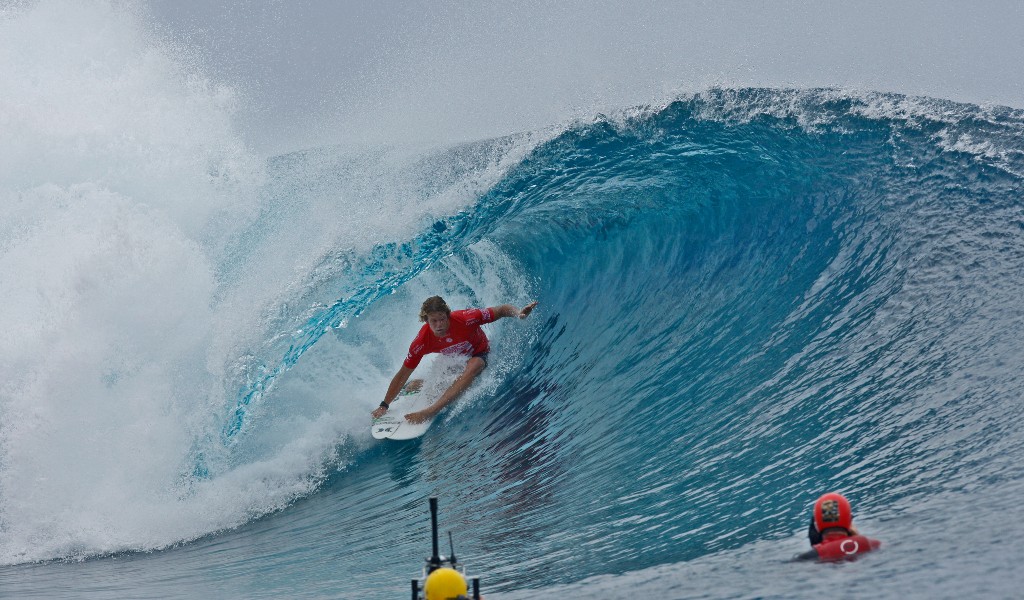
<point x="321" y="72"/>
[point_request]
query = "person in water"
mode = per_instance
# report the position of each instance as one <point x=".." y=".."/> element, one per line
<point x="448" y="332"/>
<point x="832" y="534"/>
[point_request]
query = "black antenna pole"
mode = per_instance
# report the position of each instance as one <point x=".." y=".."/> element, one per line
<point x="415" y="590"/>
<point x="435" y="559"/>
<point x="451" y="544"/>
<point x="476" y="588"/>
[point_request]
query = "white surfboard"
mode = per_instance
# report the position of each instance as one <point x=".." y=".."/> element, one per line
<point x="394" y="426"/>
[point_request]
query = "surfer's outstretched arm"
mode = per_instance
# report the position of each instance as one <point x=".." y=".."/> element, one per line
<point x="397" y="383"/>
<point x="511" y="310"/>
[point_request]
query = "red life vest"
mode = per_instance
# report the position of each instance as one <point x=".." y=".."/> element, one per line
<point x="839" y="547"/>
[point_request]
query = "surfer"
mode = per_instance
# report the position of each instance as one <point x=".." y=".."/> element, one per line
<point x="832" y="534"/>
<point x="448" y="332"/>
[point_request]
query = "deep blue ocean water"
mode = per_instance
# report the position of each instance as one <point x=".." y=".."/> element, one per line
<point x="748" y="297"/>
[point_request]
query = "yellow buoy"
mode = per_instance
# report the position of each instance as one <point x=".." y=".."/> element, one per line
<point x="445" y="584"/>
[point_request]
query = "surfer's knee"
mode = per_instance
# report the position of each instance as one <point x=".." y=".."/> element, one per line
<point x="475" y="365"/>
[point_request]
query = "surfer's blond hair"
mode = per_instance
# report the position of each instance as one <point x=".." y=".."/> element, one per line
<point x="434" y="304"/>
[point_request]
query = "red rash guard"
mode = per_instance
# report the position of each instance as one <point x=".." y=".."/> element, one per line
<point x="464" y="336"/>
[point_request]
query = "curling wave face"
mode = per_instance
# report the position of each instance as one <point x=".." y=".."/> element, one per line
<point x="747" y="297"/>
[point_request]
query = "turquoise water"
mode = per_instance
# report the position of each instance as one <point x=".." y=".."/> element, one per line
<point x="748" y="297"/>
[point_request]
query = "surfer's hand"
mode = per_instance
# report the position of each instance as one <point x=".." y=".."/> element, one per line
<point x="419" y="416"/>
<point x="379" y="412"/>
<point x="527" y="310"/>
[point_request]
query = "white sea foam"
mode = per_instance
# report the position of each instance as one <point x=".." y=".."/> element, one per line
<point x="146" y="257"/>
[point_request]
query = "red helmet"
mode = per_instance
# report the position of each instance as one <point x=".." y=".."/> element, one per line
<point x="832" y="510"/>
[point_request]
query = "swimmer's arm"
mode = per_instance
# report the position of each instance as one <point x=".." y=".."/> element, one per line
<point x="811" y="554"/>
